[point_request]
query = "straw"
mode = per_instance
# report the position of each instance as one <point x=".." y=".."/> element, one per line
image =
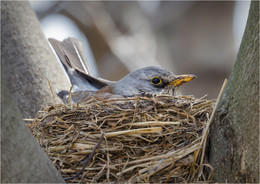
<point x="146" y="139"/>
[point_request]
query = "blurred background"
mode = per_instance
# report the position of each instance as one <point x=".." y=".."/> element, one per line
<point x="186" y="37"/>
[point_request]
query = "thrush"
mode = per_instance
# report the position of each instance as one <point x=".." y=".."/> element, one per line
<point x="150" y="80"/>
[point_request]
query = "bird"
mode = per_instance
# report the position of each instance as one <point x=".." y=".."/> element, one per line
<point x="151" y="80"/>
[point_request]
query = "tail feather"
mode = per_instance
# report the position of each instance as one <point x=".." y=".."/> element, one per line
<point x="71" y="54"/>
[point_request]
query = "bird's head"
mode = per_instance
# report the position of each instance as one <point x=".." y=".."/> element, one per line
<point x="152" y="80"/>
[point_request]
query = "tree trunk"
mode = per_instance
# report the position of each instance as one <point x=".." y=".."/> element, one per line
<point x="234" y="137"/>
<point x="27" y="65"/>
<point x="22" y="159"/>
<point x="27" y="60"/>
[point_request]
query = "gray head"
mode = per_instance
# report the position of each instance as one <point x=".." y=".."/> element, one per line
<point x="153" y="80"/>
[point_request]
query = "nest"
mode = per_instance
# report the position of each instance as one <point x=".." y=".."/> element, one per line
<point x="139" y="139"/>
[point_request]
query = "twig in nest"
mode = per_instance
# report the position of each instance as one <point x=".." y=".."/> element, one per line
<point x="51" y="92"/>
<point x="88" y="159"/>
<point x="69" y="99"/>
<point x="156" y="167"/>
<point x="206" y="131"/>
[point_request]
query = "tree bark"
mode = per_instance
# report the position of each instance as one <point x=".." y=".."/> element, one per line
<point x="27" y="64"/>
<point x="22" y="159"/>
<point x="27" y="60"/>
<point x="234" y="137"/>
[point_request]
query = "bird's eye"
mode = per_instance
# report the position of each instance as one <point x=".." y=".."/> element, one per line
<point x="156" y="81"/>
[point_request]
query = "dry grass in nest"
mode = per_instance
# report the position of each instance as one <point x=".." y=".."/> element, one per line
<point x="146" y="139"/>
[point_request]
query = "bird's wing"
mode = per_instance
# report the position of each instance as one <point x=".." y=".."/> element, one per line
<point x="71" y="54"/>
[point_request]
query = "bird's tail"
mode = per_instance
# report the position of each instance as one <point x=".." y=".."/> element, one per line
<point x="71" y="54"/>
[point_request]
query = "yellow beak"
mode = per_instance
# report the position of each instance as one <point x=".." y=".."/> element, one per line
<point x="181" y="79"/>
